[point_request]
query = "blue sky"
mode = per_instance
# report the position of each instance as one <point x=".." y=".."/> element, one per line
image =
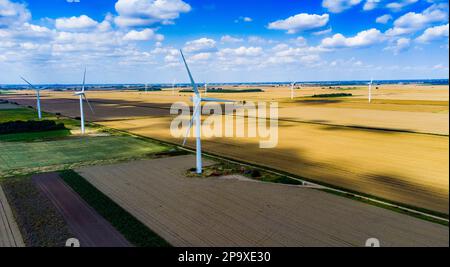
<point x="136" y="41"/>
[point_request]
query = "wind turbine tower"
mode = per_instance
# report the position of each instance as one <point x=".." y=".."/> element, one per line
<point x="197" y="103"/>
<point x="82" y="95"/>
<point x="38" y="97"/>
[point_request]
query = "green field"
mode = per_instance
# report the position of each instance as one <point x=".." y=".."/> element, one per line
<point x="22" y="114"/>
<point x="34" y="136"/>
<point x="18" y="158"/>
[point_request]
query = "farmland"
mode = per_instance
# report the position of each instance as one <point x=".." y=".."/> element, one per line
<point x="247" y="213"/>
<point x="395" y="148"/>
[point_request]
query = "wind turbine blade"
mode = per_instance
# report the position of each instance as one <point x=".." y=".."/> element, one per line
<point x="196" y="108"/>
<point x="89" y="104"/>
<point x="209" y="99"/>
<point x="84" y="80"/>
<point x="194" y="86"/>
<point x="32" y="86"/>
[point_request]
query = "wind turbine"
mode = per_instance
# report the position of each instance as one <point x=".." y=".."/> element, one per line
<point x="292" y="90"/>
<point x="206" y="88"/>
<point x="197" y="101"/>
<point x="38" y="97"/>
<point x="82" y="95"/>
<point x="145" y="88"/>
<point x="370" y="90"/>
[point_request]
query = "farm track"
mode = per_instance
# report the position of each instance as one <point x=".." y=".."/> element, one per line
<point x="90" y="228"/>
<point x="9" y="231"/>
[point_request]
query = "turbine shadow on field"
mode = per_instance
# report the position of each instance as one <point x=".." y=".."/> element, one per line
<point x="156" y="121"/>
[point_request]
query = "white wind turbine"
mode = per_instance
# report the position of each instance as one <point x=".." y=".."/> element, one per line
<point x="145" y="88"/>
<point x="197" y="101"/>
<point x="292" y="90"/>
<point x="206" y="88"/>
<point x="38" y="97"/>
<point x="370" y="90"/>
<point x="82" y="95"/>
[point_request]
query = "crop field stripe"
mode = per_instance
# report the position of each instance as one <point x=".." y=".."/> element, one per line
<point x="133" y="230"/>
<point x="368" y="128"/>
<point x="421" y="213"/>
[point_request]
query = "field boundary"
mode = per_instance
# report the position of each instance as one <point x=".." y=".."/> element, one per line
<point x="131" y="228"/>
<point x="421" y="213"/>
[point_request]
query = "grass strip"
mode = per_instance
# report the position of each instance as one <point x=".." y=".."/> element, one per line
<point x="131" y="228"/>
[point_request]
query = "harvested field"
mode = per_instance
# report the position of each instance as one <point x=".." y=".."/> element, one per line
<point x="86" y="224"/>
<point x="242" y="213"/>
<point x="9" y="231"/>
<point x="329" y="141"/>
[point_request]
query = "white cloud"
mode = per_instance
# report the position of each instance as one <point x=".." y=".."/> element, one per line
<point x="200" y="46"/>
<point x="383" y="19"/>
<point x="434" y="33"/>
<point x="144" y="35"/>
<point x="147" y="12"/>
<point x="244" y="19"/>
<point x="412" y="22"/>
<point x="200" y="57"/>
<point x="300" y="22"/>
<point x="371" y="4"/>
<point x="399" y="5"/>
<point x="337" y="6"/>
<point x="324" y="32"/>
<point x="362" y="39"/>
<point x="400" y="45"/>
<point x="230" y="39"/>
<point x="241" y="51"/>
<point x="82" y="22"/>
<point x="13" y="13"/>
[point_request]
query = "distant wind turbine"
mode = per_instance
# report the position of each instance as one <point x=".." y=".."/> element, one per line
<point x="292" y="90"/>
<point x="197" y="101"/>
<point x="82" y="95"/>
<point x="206" y="88"/>
<point x="370" y="90"/>
<point x="38" y="97"/>
<point x="146" y="88"/>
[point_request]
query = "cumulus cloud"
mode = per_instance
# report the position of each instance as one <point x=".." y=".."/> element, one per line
<point x="244" y="19"/>
<point x="371" y="4"/>
<point x="412" y="22"/>
<point x="383" y="19"/>
<point x="144" y="35"/>
<point x="434" y="33"/>
<point x="337" y="6"/>
<point x="362" y="39"/>
<point x="13" y="13"/>
<point x="399" y="5"/>
<point x="400" y="45"/>
<point x="230" y="39"/>
<point x="82" y="22"/>
<point x="241" y="51"/>
<point x="147" y="12"/>
<point x="201" y="45"/>
<point x="300" y="22"/>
